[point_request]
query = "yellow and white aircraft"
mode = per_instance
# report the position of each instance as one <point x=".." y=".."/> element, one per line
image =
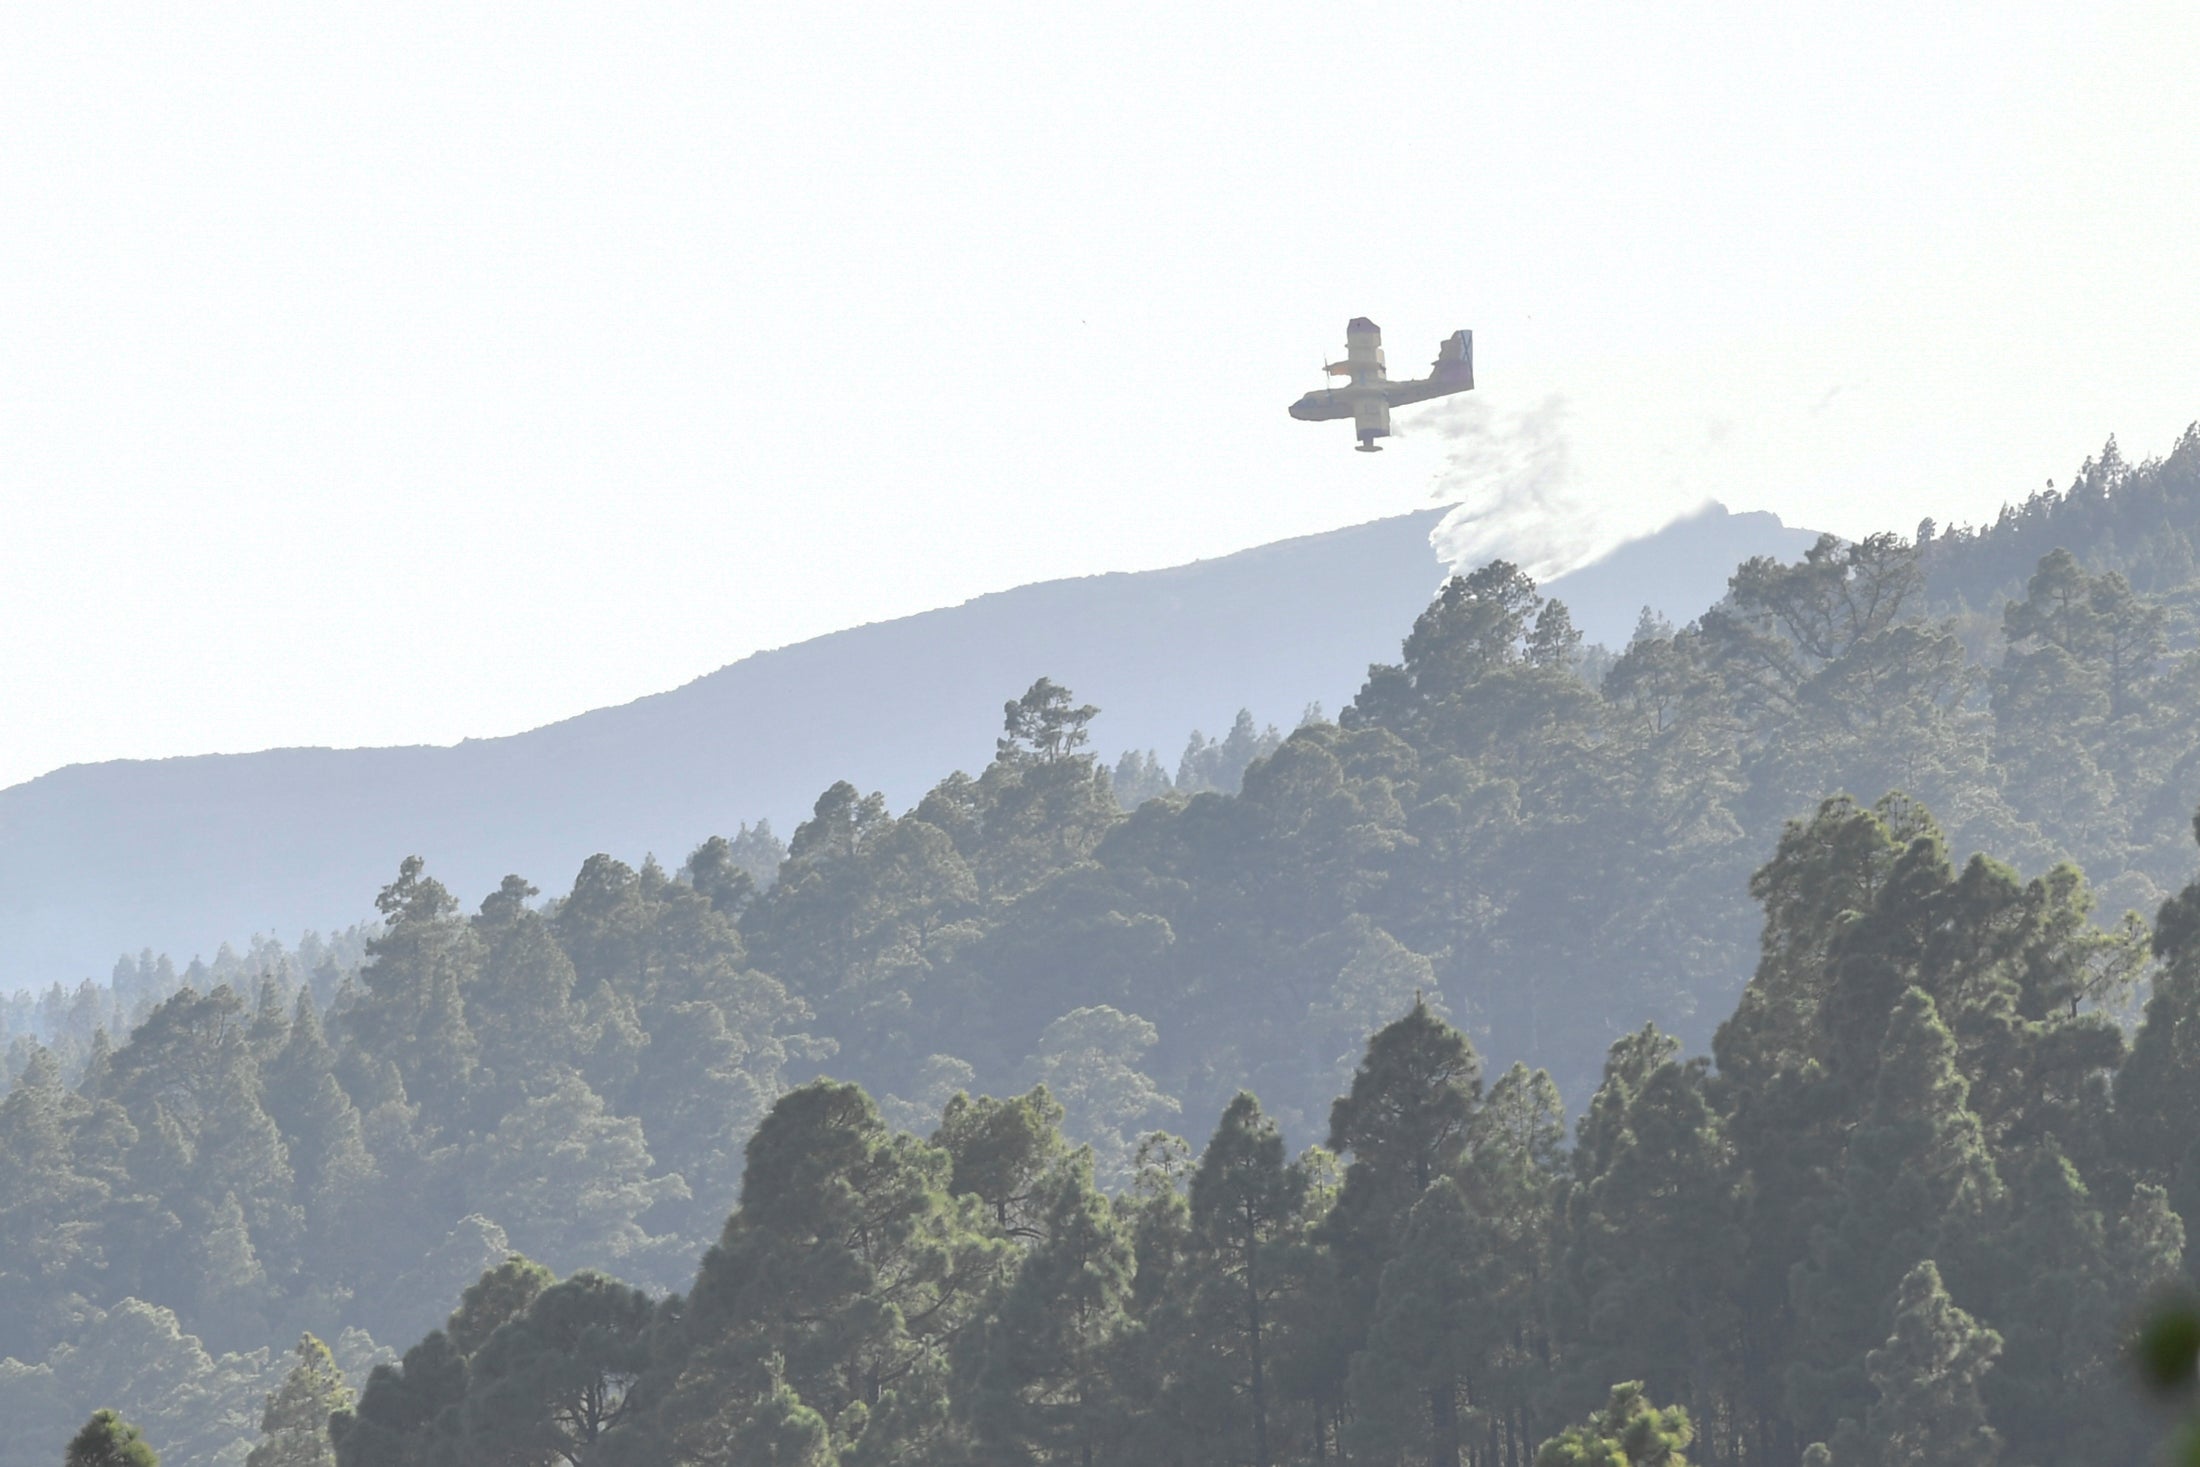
<point x="1369" y="395"/>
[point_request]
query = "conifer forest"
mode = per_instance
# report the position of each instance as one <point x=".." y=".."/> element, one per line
<point x="1772" y="1042"/>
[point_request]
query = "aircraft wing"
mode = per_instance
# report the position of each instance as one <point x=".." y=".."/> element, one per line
<point x="1363" y="353"/>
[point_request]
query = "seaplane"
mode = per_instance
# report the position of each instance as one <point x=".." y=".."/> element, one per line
<point x="1368" y="394"/>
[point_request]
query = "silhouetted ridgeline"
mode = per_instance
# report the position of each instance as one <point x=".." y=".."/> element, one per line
<point x="183" y="854"/>
<point x="2142" y="520"/>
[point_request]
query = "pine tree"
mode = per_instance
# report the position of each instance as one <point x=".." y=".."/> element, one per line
<point x="1040" y="1387"/>
<point x="1787" y="1117"/>
<point x="2065" y="1282"/>
<point x="408" y="1414"/>
<point x="2158" y="1088"/>
<point x="717" y="871"/>
<point x="1381" y="977"/>
<point x="1654" y="1179"/>
<point x="519" y="1004"/>
<point x="1929" y="1374"/>
<point x="553" y="1381"/>
<point x="1917" y="1183"/>
<point x="1006" y="1153"/>
<point x="568" y="1179"/>
<point x="231" y="1291"/>
<point x="1407" y="1117"/>
<point x="847" y="1264"/>
<point x="1088" y="1059"/>
<point x="109" y="1441"/>
<point x="189" y="1071"/>
<point x="1043" y="724"/>
<point x="294" y="1425"/>
<point x="1433" y="1329"/>
<point x="56" y="1185"/>
<point x="1139" y="777"/>
<point x="1628" y="1432"/>
<point x="760" y="1421"/>
<point x="1514" y="1178"/>
<point x="499" y="1296"/>
<point x="1405" y="1122"/>
<point x="1039" y="808"/>
<point x="413" y="1009"/>
<point x="270" y="1025"/>
<point x="1247" y="1210"/>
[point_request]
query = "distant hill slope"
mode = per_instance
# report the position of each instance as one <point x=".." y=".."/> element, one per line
<point x="182" y="854"/>
<point x="2141" y="520"/>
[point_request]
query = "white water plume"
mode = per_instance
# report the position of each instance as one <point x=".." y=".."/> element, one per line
<point x="1509" y="477"/>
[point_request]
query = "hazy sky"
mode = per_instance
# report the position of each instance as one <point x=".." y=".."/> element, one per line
<point x="384" y="372"/>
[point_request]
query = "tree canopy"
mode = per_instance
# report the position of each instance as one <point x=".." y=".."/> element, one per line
<point x="1823" y="911"/>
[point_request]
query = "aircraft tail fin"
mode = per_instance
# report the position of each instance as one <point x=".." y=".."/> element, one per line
<point x="1455" y="360"/>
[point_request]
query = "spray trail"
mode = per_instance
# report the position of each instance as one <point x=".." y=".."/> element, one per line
<point x="1509" y="478"/>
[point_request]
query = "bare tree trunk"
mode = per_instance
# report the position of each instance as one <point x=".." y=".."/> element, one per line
<point x="1443" y="1421"/>
<point x="1252" y="1329"/>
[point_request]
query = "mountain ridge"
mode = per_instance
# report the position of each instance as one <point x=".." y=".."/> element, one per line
<point x="182" y="853"/>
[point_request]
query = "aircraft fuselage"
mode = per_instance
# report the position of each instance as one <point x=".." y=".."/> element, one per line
<point x="1324" y="404"/>
<point x="1368" y="394"/>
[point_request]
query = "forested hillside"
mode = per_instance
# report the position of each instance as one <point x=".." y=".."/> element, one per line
<point x="2140" y="520"/>
<point x="1900" y="1222"/>
<point x="1939" y="1147"/>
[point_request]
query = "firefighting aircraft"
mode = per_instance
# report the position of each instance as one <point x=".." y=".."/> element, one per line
<point x="1369" y="396"/>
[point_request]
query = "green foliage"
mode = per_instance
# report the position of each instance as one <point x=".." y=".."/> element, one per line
<point x="1139" y="777"/>
<point x="1248" y="1211"/>
<point x="109" y="1441"/>
<point x="1219" y="764"/>
<point x="1926" y="1057"/>
<point x="2139" y="519"/>
<point x="551" y="1382"/>
<point x="1918" y="1183"/>
<point x="2070" y="1275"/>
<point x="1089" y="1059"/>
<point x="1404" y="1124"/>
<point x="1044" y="724"/>
<point x="1005" y="1154"/>
<point x="1928" y="1375"/>
<point x="844" y="1277"/>
<point x="294" y="1425"/>
<point x="199" y="1406"/>
<point x="499" y="1296"/>
<point x="408" y="1414"/>
<point x="1628" y="1432"/>
<point x="1043" y="1378"/>
<point x="1433" y="1328"/>
<point x="1654" y="1177"/>
<point x="575" y="1178"/>
<point x="2166" y="1353"/>
<point x="1461" y="1284"/>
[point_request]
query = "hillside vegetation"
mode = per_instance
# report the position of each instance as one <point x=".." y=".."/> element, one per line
<point x="1939" y="1153"/>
